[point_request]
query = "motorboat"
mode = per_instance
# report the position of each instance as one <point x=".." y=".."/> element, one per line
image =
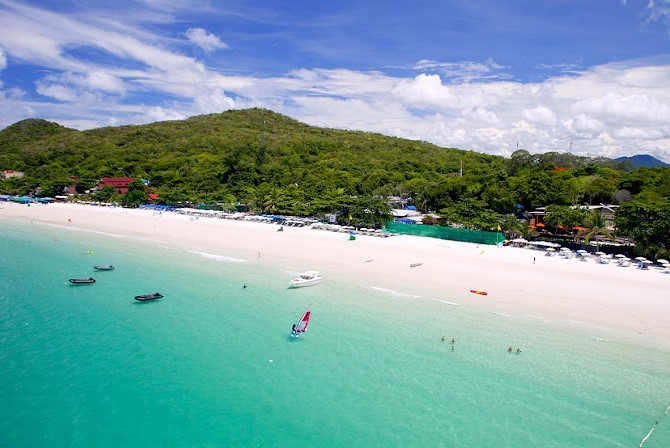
<point x="307" y="278"/>
<point x="108" y="267"/>
<point x="82" y="281"/>
<point x="144" y="298"/>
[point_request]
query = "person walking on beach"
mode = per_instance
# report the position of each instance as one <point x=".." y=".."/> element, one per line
<point x="533" y="260"/>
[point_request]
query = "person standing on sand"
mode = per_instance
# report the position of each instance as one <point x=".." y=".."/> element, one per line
<point x="533" y="260"/>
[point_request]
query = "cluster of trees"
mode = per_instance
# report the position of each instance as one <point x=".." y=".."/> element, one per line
<point x="278" y="165"/>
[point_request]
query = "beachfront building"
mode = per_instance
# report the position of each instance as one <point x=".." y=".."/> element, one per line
<point x="120" y="184"/>
<point x="608" y="212"/>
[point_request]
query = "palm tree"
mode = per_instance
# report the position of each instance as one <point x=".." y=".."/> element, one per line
<point x="595" y="224"/>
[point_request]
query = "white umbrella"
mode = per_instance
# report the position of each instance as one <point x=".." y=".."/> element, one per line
<point x="620" y="256"/>
<point x="519" y="240"/>
<point x="647" y="261"/>
<point x="550" y="249"/>
<point x="640" y="258"/>
<point x="662" y="261"/>
<point x="581" y="251"/>
<point x="565" y="249"/>
<point x="599" y="253"/>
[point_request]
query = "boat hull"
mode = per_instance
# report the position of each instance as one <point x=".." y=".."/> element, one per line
<point x="104" y="268"/>
<point x="82" y="281"/>
<point x="304" y="283"/>
<point x="148" y="297"/>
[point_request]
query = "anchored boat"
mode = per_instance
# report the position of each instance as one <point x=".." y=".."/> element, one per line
<point x="154" y="296"/>
<point x="82" y="281"/>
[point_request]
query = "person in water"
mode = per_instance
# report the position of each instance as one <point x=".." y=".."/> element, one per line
<point x="442" y="338"/>
<point x="510" y="349"/>
<point x="518" y="350"/>
<point x="453" y="341"/>
<point x="294" y="329"/>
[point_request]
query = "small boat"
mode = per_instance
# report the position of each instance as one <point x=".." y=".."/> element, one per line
<point x="307" y="278"/>
<point x="108" y="267"/>
<point x="82" y="281"/>
<point x="302" y="324"/>
<point x="154" y="296"/>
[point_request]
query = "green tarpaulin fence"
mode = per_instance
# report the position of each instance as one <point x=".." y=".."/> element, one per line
<point x="446" y="233"/>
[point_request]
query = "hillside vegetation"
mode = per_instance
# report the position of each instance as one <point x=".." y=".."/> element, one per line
<point x="279" y="165"/>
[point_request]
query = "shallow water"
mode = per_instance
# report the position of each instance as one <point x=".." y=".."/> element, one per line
<point x="211" y="364"/>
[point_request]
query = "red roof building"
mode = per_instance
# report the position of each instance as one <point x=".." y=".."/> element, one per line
<point x="120" y="184"/>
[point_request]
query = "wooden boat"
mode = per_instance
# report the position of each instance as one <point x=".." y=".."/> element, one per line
<point x="108" y="267"/>
<point x="82" y="281"/>
<point x="154" y="296"/>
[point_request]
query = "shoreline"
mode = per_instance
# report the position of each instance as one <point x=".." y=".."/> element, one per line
<point x="627" y="302"/>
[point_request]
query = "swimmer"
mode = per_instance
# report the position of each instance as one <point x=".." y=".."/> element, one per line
<point x="510" y="349"/>
<point x="453" y="341"/>
<point x="244" y="287"/>
<point x="442" y="338"/>
<point x="518" y="350"/>
<point x="453" y="348"/>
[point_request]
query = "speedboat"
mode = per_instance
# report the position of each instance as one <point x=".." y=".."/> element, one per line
<point x="154" y="296"/>
<point x="307" y="278"/>
<point x="82" y="281"/>
<point x="108" y="267"/>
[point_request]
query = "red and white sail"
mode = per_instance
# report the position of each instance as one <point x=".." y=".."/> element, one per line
<point x="301" y="326"/>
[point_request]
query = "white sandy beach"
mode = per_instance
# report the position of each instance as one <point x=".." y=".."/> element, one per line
<point x="626" y="302"/>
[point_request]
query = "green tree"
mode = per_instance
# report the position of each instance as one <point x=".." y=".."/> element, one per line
<point x="595" y="225"/>
<point x="136" y="194"/>
<point x="646" y="220"/>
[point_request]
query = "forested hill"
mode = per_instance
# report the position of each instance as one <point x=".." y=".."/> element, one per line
<point x="280" y="165"/>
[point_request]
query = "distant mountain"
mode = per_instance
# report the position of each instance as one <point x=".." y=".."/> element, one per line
<point x="643" y="160"/>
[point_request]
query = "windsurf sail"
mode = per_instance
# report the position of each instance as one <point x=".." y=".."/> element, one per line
<point x="301" y="326"/>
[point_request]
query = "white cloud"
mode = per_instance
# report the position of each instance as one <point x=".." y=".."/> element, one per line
<point x="540" y="115"/>
<point x="207" y="41"/>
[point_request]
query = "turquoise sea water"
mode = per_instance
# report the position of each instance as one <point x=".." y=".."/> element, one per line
<point x="211" y="364"/>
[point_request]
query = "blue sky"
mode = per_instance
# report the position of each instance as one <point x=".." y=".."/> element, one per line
<point x="591" y="75"/>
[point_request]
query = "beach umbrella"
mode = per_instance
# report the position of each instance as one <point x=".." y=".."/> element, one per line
<point x="600" y="253"/>
<point x="581" y="251"/>
<point x="620" y="256"/>
<point x="550" y="249"/>
<point x="565" y="249"/>
<point x="640" y="258"/>
<point x="646" y="261"/>
<point x="662" y="261"/>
